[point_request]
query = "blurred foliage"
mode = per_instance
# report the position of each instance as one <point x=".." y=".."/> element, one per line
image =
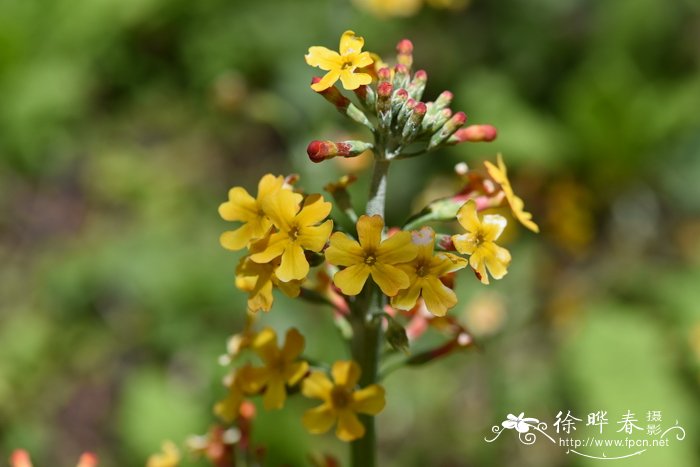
<point x="123" y="123"/>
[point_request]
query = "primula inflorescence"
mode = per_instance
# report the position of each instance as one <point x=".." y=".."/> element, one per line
<point x="397" y="281"/>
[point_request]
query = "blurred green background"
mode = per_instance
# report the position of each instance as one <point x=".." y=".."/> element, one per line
<point x="124" y="122"/>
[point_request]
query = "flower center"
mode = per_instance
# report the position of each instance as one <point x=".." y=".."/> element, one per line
<point x="340" y="397"/>
<point x="370" y="259"/>
<point x="293" y="233"/>
<point x="347" y="63"/>
<point x="479" y="237"/>
<point x="422" y="270"/>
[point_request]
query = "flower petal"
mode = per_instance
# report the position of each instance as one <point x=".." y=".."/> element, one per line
<point x="315" y="209"/>
<point x="464" y="243"/>
<point x="369" y="232"/>
<point x="346" y="373"/>
<point x="389" y="278"/>
<point x="294" y="265"/>
<point x="275" y="394"/>
<point x="351" y="279"/>
<point x="239" y="207"/>
<point x="349" y="427"/>
<point x="268" y="184"/>
<point x="323" y="58"/>
<point x="293" y="344"/>
<point x="327" y="81"/>
<point x="317" y="386"/>
<point x="237" y="239"/>
<point x="493" y="226"/>
<point x="281" y="207"/>
<point x="315" y="238"/>
<point x="290" y="289"/>
<point x="319" y="419"/>
<point x="399" y="248"/>
<point x="353" y="80"/>
<point x="344" y="251"/>
<point x="497" y="260"/>
<point x="363" y="60"/>
<point x="406" y="299"/>
<point x="370" y="400"/>
<point x="295" y="372"/>
<point x="467" y="217"/>
<point x="443" y="263"/>
<point x="272" y="247"/>
<point x="350" y="43"/>
<point x="265" y="345"/>
<point x="437" y="296"/>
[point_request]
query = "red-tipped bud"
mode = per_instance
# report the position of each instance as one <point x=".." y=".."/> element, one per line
<point x="443" y="100"/>
<point x="447" y="129"/>
<point x="474" y="134"/>
<point x="319" y="151"/>
<point x="384" y="74"/>
<point x="458" y="119"/>
<point x="402" y="94"/>
<point x="384" y="89"/>
<point x="401" y="69"/>
<point x="404" y="47"/>
<point x="421" y="75"/>
<point x="333" y="95"/>
<point x="405" y="53"/>
<point x="420" y="108"/>
<point x="88" y="459"/>
<point x="20" y="458"/>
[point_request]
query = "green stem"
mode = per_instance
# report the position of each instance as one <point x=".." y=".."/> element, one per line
<point x="367" y="331"/>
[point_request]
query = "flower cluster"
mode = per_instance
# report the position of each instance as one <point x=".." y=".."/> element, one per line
<point x="392" y="281"/>
<point x="278" y="227"/>
<point x="283" y="370"/>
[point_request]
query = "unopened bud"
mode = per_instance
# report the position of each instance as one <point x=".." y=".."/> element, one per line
<point x="417" y="86"/>
<point x="366" y="95"/>
<point x="398" y="100"/>
<point x="333" y="95"/>
<point x="384" y="90"/>
<point x="433" y="121"/>
<point x="404" y="51"/>
<point x="401" y="76"/>
<point x="450" y="126"/>
<point x="413" y="124"/>
<point x="396" y="335"/>
<point x="474" y="134"/>
<point x="384" y="74"/>
<point x="321" y="150"/>
<point x="405" y="112"/>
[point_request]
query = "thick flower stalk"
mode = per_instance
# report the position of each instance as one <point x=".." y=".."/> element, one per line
<point x="386" y="286"/>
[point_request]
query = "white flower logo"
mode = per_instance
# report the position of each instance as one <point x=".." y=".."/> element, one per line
<point x="521" y="424"/>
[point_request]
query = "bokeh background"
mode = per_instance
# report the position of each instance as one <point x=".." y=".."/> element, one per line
<point x="124" y="122"/>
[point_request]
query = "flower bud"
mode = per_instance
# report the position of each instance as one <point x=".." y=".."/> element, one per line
<point x="366" y="96"/>
<point x="405" y="112"/>
<point x="333" y="95"/>
<point x="474" y="134"/>
<point x="433" y="121"/>
<point x="401" y="76"/>
<point x="449" y="127"/>
<point x="417" y="86"/>
<point x="398" y="101"/>
<point x="413" y="125"/>
<point x="384" y="90"/>
<point x="321" y="150"/>
<point x="396" y="335"/>
<point x="404" y="51"/>
<point x="384" y="74"/>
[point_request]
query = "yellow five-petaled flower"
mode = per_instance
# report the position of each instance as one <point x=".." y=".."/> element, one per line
<point x="371" y="256"/>
<point x="500" y="175"/>
<point x="244" y="208"/>
<point x="298" y="231"/>
<point x="341" y="401"/>
<point x="424" y="274"/>
<point x="341" y="65"/>
<point x="281" y="365"/>
<point x="479" y="240"/>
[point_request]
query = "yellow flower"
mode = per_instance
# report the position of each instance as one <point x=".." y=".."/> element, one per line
<point x="341" y="401"/>
<point x="298" y="231"/>
<point x="371" y="256"/>
<point x="259" y="279"/>
<point x="500" y="175"/>
<point x="242" y="207"/>
<point x="424" y="274"/>
<point x="341" y="65"/>
<point x="384" y="8"/>
<point x="479" y="242"/>
<point x="169" y="457"/>
<point x="239" y="383"/>
<point x="281" y="365"/>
